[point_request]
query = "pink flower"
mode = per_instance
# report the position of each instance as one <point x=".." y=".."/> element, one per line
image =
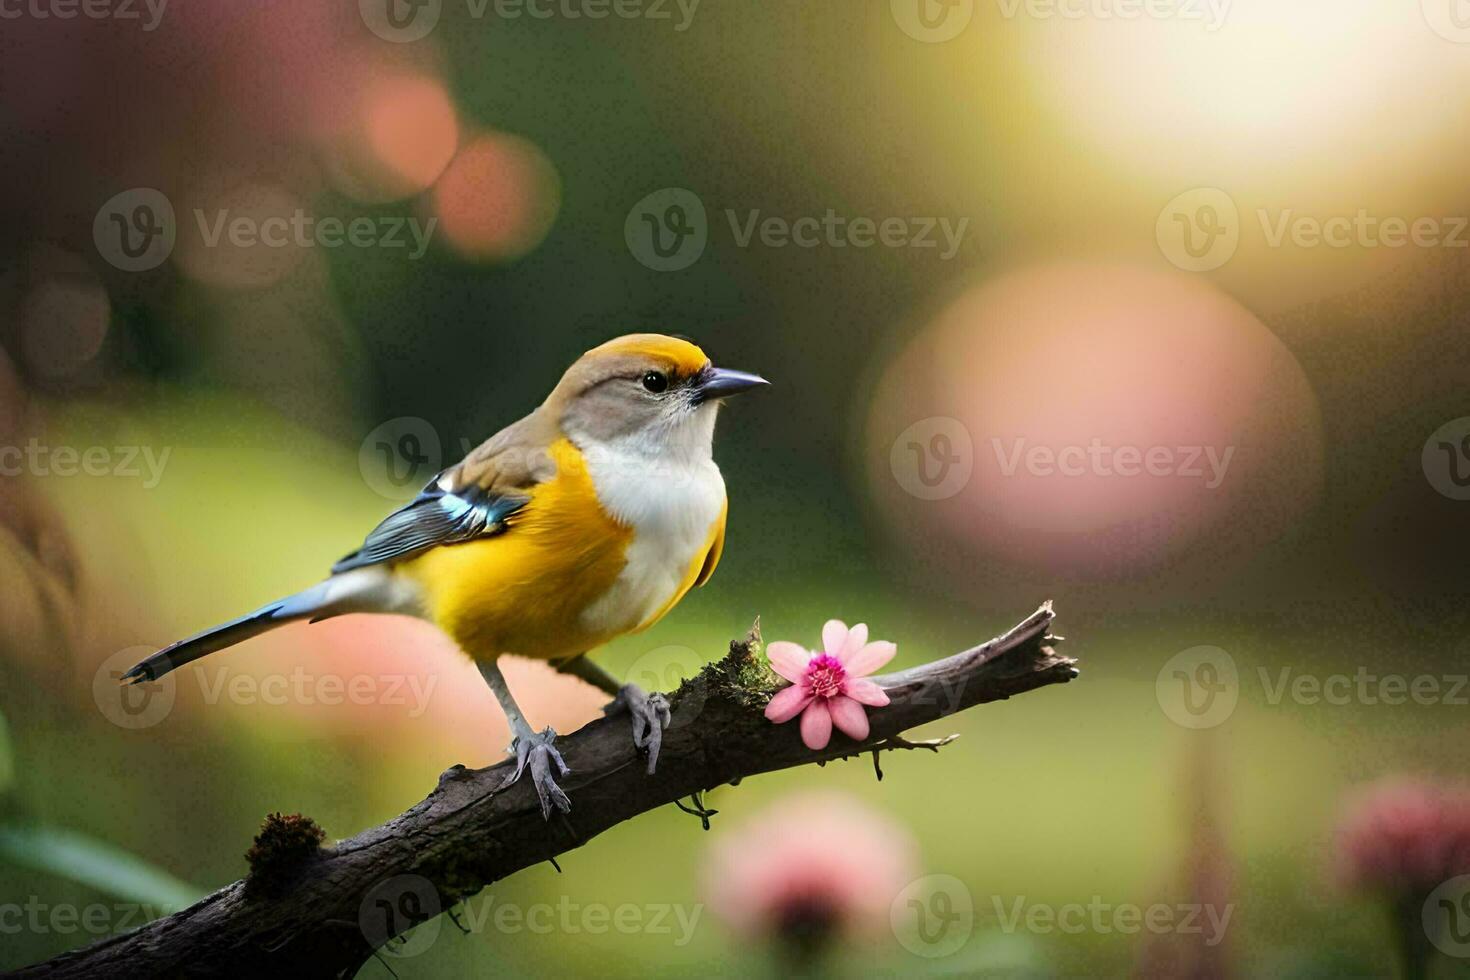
<point x="809" y="869"/>
<point x="831" y="687"/>
<point x="1405" y="836"/>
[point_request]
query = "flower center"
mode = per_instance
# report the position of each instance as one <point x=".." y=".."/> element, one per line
<point x="824" y="675"/>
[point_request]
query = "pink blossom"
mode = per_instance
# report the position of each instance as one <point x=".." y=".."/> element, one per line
<point x="1405" y="836"/>
<point x="829" y="688"/>
<point x="809" y="868"/>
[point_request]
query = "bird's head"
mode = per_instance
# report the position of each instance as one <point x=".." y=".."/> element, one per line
<point x="647" y="393"/>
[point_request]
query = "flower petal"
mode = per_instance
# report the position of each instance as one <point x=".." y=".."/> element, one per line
<point x="834" y="634"/>
<point x="788" y="659"/>
<point x="864" y="691"/>
<point x="849" y="716"/>
<point x="871" y="657"/>
<point x="816" y="725"/>
<point x="787" y="703"/>
<point x="856" y="637"/>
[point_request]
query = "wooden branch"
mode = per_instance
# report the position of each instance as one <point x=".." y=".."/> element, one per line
<point x="321" y="911"/>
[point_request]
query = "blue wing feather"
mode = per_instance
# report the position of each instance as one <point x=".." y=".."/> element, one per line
<point x="435" y="517"/>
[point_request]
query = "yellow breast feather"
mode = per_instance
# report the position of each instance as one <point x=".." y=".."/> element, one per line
<point x="523" y="591"/>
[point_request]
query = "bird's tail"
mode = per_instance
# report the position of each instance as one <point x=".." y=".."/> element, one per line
<point x="361" y="590"/>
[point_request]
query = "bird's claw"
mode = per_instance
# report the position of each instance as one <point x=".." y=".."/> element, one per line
<point x="538" y="750"/>
<point x="650" y="714"/>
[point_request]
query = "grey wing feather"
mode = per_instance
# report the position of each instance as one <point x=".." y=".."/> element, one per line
<point x="435" y="517"/>
<point x="471" y="499"/>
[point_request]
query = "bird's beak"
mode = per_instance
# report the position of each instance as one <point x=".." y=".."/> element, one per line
<point x="716" y="382"/>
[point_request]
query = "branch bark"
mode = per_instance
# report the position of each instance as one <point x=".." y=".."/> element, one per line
<point x="330" y="909"/>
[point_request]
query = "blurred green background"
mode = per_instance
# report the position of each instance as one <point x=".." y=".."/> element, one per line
<point x="264" y="381"/>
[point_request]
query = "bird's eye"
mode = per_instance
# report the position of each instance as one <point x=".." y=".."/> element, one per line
<point x="655" y="382"/>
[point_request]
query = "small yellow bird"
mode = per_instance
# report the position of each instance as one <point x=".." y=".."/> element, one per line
<point x="587" y="519"/>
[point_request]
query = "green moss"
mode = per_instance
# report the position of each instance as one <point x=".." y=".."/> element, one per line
<point x="285" y="845"/>
<point x="742" y="675"/>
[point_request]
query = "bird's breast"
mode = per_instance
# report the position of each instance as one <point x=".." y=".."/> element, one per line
<point x="604" y="548"/>
<point x="673" y="509"/>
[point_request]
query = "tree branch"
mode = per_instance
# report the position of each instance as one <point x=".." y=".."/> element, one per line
<point x="321" y="911"/>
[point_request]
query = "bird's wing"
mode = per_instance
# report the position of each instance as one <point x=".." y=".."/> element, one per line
<point x="716" y="548"/>
<point x="472" y="499"/>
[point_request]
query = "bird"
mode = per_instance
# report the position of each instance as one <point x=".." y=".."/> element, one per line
<point x="588" y="519"/>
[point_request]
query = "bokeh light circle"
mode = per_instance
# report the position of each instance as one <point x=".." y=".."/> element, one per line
<point x="243" y="234"/>
<point x="498" y="199"/>
<point x="63" y="316"/>
<point x="399" y="135"/>
<point x="1119" y="417"/>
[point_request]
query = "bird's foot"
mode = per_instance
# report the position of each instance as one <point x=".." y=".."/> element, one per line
<point x="650" y="717"/>
<point x="537" y="749"/>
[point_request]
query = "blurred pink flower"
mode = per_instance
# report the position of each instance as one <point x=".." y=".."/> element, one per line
<point x="831" y="687"/>
<point x="809" y="868"/>
<point x="1405" y="836"/>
